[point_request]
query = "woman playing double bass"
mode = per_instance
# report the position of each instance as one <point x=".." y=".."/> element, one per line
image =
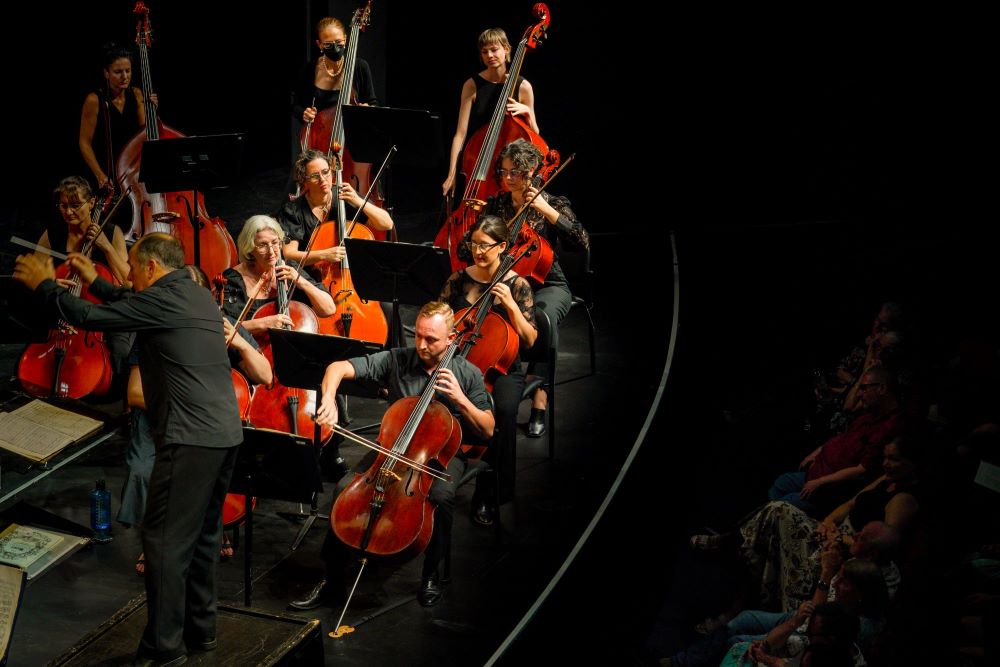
<point x="513" y="300"/>
<point x="259" y="245"/>
<point x="481" y="93"/>
<point x="404" y="372"/>
<point x="553" y="219"/>
<point x="118" y="105"/>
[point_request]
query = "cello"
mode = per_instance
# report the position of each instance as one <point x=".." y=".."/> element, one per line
<point x="357" y="318"/>
<point x="206" y="241"/>
<point x="385" y="510"/>
<point x="72" y="363"/>
<point x="489" y="341"/>
<point x="482" y="148"/>
<point x="284" y="408"/>
<point x="326" y="130"/>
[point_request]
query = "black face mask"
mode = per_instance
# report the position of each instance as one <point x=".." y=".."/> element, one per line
<point x="334" y="52"/>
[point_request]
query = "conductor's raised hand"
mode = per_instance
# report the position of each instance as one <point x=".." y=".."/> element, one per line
<point x="32" y="269"/>
<point x="84" y="267"/>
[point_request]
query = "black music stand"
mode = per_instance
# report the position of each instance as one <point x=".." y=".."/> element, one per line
<point x="271" y="464"/>
<point x="372" y="131"/>
<point x="191" y="163"/>
<point x="399" y="272"/>
<point x="300" y="360"/>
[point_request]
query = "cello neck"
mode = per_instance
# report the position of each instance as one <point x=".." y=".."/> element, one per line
<point x="341" y="210"/>
<point x="426" y="396"/>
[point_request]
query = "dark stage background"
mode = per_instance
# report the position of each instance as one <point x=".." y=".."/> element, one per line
<point x="811" y="165"/>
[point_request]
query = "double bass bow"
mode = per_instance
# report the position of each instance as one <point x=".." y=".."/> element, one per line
<point x="206" y="241"/>
<point x="481" y="150"/>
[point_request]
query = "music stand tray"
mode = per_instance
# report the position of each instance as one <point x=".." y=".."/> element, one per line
<point x="191" y="163"/>
<point x="372" y="131"/>
<point x="405" y="272"/>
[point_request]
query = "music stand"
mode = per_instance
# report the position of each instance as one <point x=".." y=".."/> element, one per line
<point x="191" y="163"/>
<point x="271" y="464"/>
<point x="372" y="131"/>
<point x="300" y="360"/>
<point x="399" y="272"/>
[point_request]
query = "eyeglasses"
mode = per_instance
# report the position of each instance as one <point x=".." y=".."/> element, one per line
<point x="318" y="176"/>
<point x="264" y="245"/>
<point x="71" y="207"/>
<point x="511" y="173"/>
<point x="482" y="247"/>
<point x="330" y="45"/>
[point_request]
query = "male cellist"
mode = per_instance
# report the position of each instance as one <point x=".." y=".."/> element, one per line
<point x="405" y="372"/>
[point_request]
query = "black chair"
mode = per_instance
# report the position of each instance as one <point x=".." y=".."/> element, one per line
<point x="543" y="351"/>
<point x="576" y="266"/>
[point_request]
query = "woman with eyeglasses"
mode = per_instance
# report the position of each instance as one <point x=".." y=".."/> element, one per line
<point x="259" y="246"/>
<point x="553" y="219"/>
<point x="75" y="202"/>
<point x="512" y="299"/>
<point x="312" y="207"/>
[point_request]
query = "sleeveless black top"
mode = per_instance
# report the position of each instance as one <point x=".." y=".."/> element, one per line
<point x="59" y="237"/>
<point x="487" y="96"/>
<point x="124" y="125"/>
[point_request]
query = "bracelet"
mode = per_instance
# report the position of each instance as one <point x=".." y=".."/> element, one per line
<point x="823" y="585"/>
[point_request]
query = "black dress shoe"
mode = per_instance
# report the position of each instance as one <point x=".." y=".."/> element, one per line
<point x="536" y="423"/>
<point x="482" y="514"/>
<point x="323" y="593"/>
<point x="430" y="591"/>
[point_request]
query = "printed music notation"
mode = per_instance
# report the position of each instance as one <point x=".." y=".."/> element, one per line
<point x="39" y="431"/>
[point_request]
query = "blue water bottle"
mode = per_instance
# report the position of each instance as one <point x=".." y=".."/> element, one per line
<point x="100" y="512"/>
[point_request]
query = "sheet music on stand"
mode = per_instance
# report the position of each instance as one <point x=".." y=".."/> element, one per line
<point x="12" y="580"/>
<point x="38" y="430"/>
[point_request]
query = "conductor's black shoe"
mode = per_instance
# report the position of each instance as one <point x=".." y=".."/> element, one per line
<point x="536" y="423"/>
<point x="207" y="644"/>
<point x="430" y="590"/>
<point x="323" y="593"/>
<point x="482" y="514"/>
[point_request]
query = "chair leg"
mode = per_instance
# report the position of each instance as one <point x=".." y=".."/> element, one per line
<point x="552" y="406"/>
<point x="593" y="335"/>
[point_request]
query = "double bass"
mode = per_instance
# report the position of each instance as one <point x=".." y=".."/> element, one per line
<point x="326" y="130"/>
<point x="482" y="148"/>
<point x="173" y="213"/>
<point x="72" y="363"/>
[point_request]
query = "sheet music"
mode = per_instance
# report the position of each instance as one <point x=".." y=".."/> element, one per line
<point x="66" y="422"/>
<point x="11" y="585"/>
<point x="29" y="439"/>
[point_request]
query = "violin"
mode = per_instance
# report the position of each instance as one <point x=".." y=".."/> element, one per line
<point x="206" y="241"/>
<point x="326" y="130"/>
<point x="72" y="363"/>
<point x="484" y="145"/>
<point x="279" y="407"/>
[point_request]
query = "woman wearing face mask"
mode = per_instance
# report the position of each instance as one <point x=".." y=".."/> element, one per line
<point x="481" y="93"/>
<point x="117" y="106"/>
<point x="318" y="84"/>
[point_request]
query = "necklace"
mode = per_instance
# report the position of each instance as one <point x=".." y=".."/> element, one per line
<point x="332" y="75"/>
